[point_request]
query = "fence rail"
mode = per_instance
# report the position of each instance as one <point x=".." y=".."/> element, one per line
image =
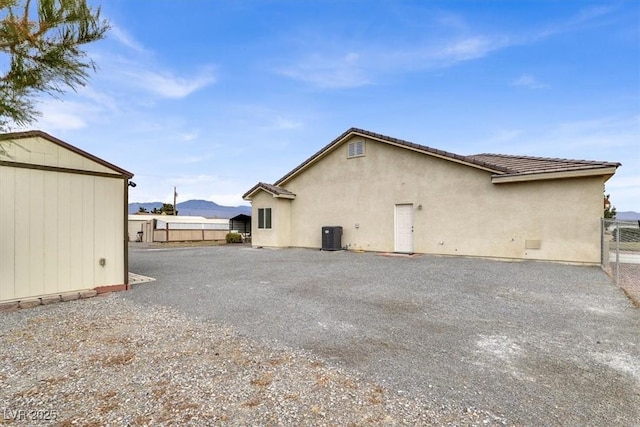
<point x="621" y="254"/>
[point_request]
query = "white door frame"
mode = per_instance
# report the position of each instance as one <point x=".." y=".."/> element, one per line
<point x="403" y="228"/>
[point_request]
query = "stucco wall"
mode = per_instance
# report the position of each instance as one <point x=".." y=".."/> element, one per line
<point x="462" y="212"/>
<point x="279" y="234"/>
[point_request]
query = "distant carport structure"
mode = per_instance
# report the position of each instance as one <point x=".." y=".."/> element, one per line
<point x="241" y="223"/>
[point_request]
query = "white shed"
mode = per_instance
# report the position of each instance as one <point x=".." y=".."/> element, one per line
<point x="63" y="219"/>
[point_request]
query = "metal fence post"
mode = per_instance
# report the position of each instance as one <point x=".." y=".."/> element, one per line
<point x="617" y="253"/>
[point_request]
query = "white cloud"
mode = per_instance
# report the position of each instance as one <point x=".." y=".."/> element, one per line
<point x="468" y="48"/>
<point x="59" y="115"/>
<point x="281" y="123"/>
<point x="193" y="159"/>
<point x="528" y="81"/>
<point x="189" y="136"/>
<point x="268" y="119"/>
<point x="333" y="66"/>
<point x="137" y="67"/>
<point x="586" y="17"/>
<point x="329" y="71"/>
<point x="167" y="85"/>
<point x="125" y="39"/>
<point x="348" y="69"/>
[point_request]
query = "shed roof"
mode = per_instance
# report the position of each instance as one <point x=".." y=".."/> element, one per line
<point x="38" y="133"/>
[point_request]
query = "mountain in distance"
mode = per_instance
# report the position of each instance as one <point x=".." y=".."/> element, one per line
<point x="628" y="216"/>
<point x="203" y="208"/>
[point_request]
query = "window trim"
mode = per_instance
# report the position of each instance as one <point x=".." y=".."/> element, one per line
<point x="265" y="221"/>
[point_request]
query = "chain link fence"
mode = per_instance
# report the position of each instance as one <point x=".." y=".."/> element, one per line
<point x="621" y="254"/>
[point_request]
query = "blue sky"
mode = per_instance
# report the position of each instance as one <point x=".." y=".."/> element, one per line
<point x="214" y="96"/>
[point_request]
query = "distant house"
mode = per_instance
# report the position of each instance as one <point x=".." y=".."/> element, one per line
<point x="392" y="195"/>
<point x="63" y="219"/>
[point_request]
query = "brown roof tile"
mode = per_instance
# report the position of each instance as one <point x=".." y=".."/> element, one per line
<point x="499" y="164"/>
<point x="530" y="164"/>
<point x="273" y="189"/>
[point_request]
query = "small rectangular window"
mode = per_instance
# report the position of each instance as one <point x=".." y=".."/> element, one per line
<point x="355" y="149"/>
<point x="264" y="218"/>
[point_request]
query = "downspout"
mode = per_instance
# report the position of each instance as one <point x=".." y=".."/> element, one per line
<point x="126" y="232"/>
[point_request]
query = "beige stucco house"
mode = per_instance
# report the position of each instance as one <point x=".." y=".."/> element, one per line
<point x="391" y="195"/>
<point x="63" y="219"/>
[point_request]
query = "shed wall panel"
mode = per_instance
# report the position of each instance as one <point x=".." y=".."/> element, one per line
<point x="54" y="228"/>
<point x="7" y="233"/>
<point x="87" y="204"/>
<point x="35" y="231"/>
<point x="75" y="222"/>
<point x="22" y="237"/>
<point x="65" y="251"/>
<point x="50" y="232"/>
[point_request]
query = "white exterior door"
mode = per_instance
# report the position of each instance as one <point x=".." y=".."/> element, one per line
<point x="404" y="228"/>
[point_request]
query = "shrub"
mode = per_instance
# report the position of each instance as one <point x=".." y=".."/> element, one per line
<point x="234" y="238"/>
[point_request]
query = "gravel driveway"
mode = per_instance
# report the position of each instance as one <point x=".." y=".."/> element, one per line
<point x="538" y="343"/>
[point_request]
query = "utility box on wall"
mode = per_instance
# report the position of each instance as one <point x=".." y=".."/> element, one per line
<point x="331" y="238"/>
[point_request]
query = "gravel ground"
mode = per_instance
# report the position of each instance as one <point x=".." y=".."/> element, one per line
<point x="108" y="361"/>
<point x="236" y="336"/>
<point x="532" y="343"/>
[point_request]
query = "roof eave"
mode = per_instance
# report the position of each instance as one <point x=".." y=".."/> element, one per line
<point x="259" y="187"/>
<point x="38" y="133"/>
<point x="549" y="175"/>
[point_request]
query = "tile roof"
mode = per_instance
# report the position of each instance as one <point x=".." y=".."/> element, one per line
<point x="273" y="189"/>
<point x="529" y="165"/>
<point x="501" y="165"/>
